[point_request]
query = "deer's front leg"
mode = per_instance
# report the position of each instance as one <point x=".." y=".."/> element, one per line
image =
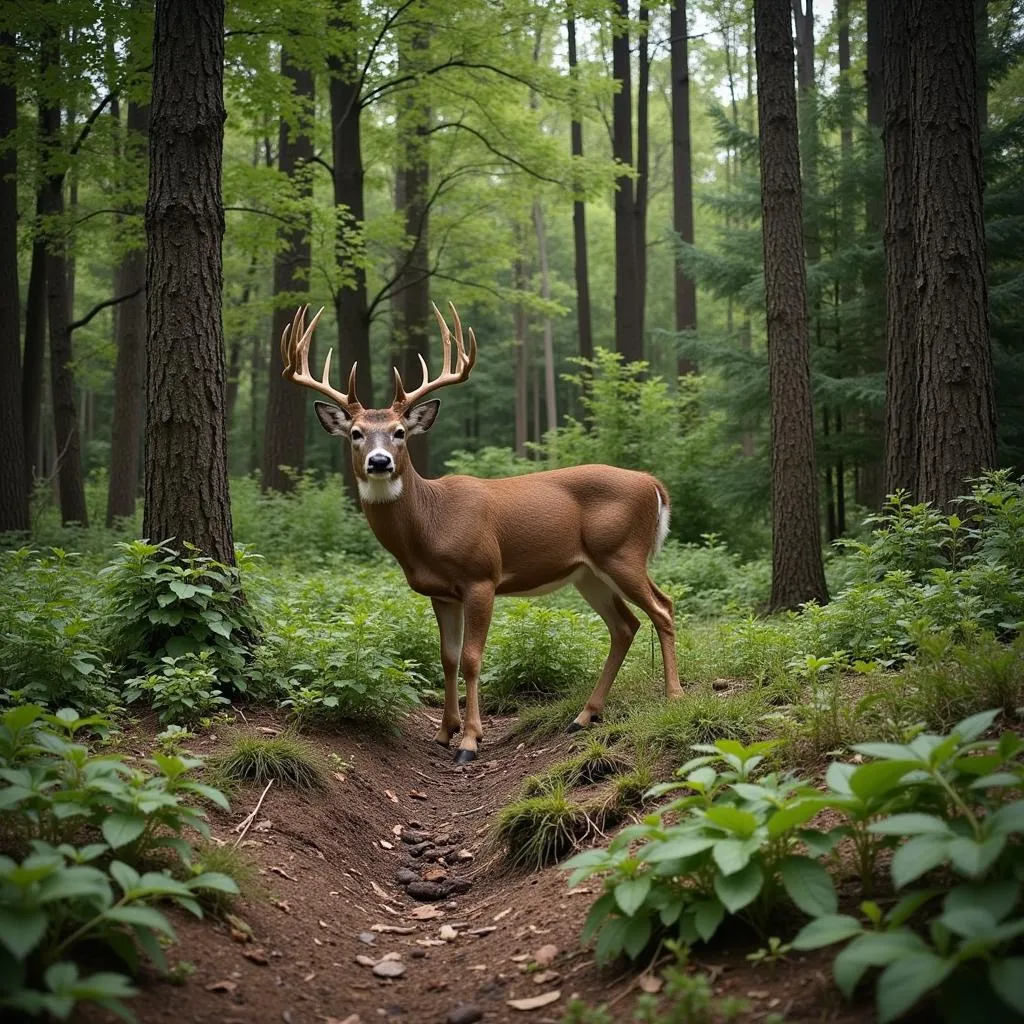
<point x="477" y="606"/>
<point x="449" y="624"/>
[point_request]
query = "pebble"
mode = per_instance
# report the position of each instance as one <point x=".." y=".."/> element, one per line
<point x="466" y="1013"/>
<point x="389" y="969"/>
<point x="368" y="938"/>
<point x="403" y="876"/>
<point x="365" y="961"/>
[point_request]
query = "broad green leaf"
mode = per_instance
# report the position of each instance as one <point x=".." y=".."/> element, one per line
<point x="918" y="856"/>
<point x="21" y="930"/>
<point x="826" y="930"/>
<point x="974" y="859"/>
<point x="906" y="980"/>
<point x="121" y="829"/>
<point x="971" y="728"/>
<point x="125" y="876"/>
<point x="838" y="777"/>
<point x="743" y="823"/>
<point x="888" y="751"/>
<point x="678" y="846"/>
<point x="998" y="898"/>
<point x="794" y="815"/>
<point x="636" y="936"/>
<point x="732" y="855"/>
<point x="969" y="922"/>
<point x="215" y="880"/>
<point x="707" y="916"/>
<point x="911" y="825"/>
<point x="1007" y="979"/>
<point x="1009" y="818"/>
<point x="739" y="890"/>
<point x="631" y="894"/>
<point x="143" y="917"/>
<point x="878" y="777"/>
<point x="809" y="885"/>
<point x="872" y="949"/>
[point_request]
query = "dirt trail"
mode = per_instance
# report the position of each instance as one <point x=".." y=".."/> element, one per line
<point x="327" y="865"/>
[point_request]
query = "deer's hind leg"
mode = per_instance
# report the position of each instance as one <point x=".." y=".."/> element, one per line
<point x="450" y="625"/>
<point x="622" y="627"/>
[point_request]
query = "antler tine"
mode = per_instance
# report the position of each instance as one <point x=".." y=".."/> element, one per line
<point x="449" y="374"/>
<point x="295" y="342"/>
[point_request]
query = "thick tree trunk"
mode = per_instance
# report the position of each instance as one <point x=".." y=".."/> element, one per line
<point x="682" y="174"/>
<point x="901" y="287"/>
<point x="284" y="431"/>
<point x="13" y="483"/>
<point x="550" y="404"/>
<point x="34" y="356"/>
<point x="579" y="224"/>
<point x="957" y="437"/>
<point x="413" y="319"/>
<point x="797" y="573"/>
<point x="628" y="339"/>
<point x="641" y="185"/>
<point x="186" y="438"/>
<point x="130" y="336"/>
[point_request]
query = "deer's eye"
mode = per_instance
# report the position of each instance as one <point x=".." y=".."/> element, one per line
<point x="356" y="434"/>
<point x="400" y="434"/>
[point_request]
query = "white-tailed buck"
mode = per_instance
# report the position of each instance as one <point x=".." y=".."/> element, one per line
<point x="463" y="541"/>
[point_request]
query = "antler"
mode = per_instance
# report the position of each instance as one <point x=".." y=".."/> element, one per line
<point x="295" y="340"/>
<point x="463" y="364"/>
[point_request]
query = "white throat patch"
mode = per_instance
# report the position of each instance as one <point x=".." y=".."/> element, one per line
<point x="378" y="490"/>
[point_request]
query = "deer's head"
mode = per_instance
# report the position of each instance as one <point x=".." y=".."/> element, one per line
<point x="377" y="436"/>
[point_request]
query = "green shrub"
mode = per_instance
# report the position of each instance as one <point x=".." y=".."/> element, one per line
<point x="74" y="824"/>
<point x="537" y="653"/>
<point x="163" y="606"/>
<point x="707" y="579"/>
<point x="183" y="691"/>
<point x="286" y="759"/>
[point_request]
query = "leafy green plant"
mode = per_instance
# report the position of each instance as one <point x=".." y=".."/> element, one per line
<point x="163" y="606"/>
<point x="959" y="810"/>
<point x="732" y="848"/>
<point x="183" y="690"/>
<point x="287" y="759"/>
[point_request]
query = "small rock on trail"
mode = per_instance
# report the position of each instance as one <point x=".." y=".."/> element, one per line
<point x="389" y="969"/>
<point x="466" y="1013"/>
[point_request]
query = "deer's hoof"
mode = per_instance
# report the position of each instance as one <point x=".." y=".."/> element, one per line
<point x="464" y="756"/>
<point x="576" y="727"/>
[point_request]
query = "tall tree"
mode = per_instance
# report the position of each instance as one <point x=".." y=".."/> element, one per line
<point x="901" y="292"/>
<point x="641" y="186"/>
<point x="186" y="439"/>
<point x="522" y="358"/>
<point x="957" y="436"/>
<point x="579" y="223"/>
<point x="62" y="378"/>
<point x="628" y="336"/>
<point x="550" y="404"/>
<point x="284" y="431"/>
<point x="797" y="572"/>
<point x="130" y="338"/>
<point x="35" y="352"/>
<point x="682" y="173"/>
<point x="13" y="483"/>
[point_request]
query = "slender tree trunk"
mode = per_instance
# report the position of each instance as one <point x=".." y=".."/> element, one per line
<point x="519" y="278"/>
<point x="62" y="378"/>
<point x="130" y="336"/>
<point x="187" y="495"/>
<point x="13" y="484"/>
<point x="797" y="573"/>
<point x="579" y="225"/>
<point x="550" y="405"/>
<point x="682" y="174"/>
<point x="641" y="186"/>
<point x="901" y="290"/>
<point x="411" y="304"/>
<point x="35" y="354"/>
<point x="284" y="433"/>
<point x="957" y="436"/>
<point x="628" y="339"/>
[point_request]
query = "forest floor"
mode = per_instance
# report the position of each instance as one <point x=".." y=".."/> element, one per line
<point x="327" y="895"/>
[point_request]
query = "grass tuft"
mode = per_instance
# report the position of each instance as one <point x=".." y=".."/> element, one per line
<point x="227" y="860"/>
<point x="286" y="759"/>
<point x="540" y="830"/>
<point x="593" y="763"/>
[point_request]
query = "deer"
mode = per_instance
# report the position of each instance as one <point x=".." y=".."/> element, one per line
<point x="463" y="541"/>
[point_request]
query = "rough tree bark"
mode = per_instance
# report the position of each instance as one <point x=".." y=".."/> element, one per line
<point x="641" y="184"/>
<point x="682" y="173"/>
<point x="550" y="403"/>
<point x="35" y="354"/>
<point x="186" y="437"/>
<point x="628" y="339"/>
<point x="284" y="424"/>
<point x="901" y="291"/>
<point x="579" y="224"/>
<point x="522" y="360"/>
<point x="957" y="422"/>
<point x="13" y="482"/>
<point x="130" y="366"/>
<point x="797" y="573"/>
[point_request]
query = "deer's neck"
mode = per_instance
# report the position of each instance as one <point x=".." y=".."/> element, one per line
<point x="399" y="512"/>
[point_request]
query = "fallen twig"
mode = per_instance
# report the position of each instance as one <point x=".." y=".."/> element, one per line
<point x="472" y="810"/>
<point x="246" y="823"/>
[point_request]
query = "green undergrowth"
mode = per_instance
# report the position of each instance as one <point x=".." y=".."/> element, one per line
<point x="287" y="760"/>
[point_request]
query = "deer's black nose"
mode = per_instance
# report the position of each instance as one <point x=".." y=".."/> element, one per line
<point x="378" y="462"/>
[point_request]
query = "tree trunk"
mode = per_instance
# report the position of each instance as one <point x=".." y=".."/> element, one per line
<point x="550" y="406"/>
<point x="519" y="279"/>
<point x="13" y="483"/>
<point x="412" y="313"/>
<point x="284" y="424"/>
<point x="35" y="354"/>
<point x="62" y="378"/>
<point x="643" y="172"/>
<point x="579" y="226"/>
<point x="628" y="339"/>
<point x="187" y="494"/>
<point x="982" y="61"/>
<point x="130" y="367"/>
<point x="901" y="290"/>
<point x="797" y="573"/>
<point x="957" y="437"/>
<point x="682" y="174"/>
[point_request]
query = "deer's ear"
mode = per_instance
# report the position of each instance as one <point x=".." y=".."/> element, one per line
<point x="333" y="419"/>
<point x="421" y="419"/>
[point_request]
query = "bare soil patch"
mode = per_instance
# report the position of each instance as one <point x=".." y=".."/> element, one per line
<point x="328" y="864"/>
